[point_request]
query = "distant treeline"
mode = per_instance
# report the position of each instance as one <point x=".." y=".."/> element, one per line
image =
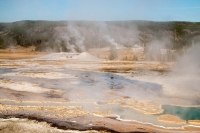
<point x="52" y="35"/>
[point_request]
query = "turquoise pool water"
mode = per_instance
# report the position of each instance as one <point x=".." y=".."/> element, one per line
<point x="186" y="113"/>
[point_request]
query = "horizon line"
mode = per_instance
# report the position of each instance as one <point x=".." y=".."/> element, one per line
<point x="103" y="21"/>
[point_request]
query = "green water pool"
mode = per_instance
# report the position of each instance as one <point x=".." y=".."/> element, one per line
<point x="185" y="113"/>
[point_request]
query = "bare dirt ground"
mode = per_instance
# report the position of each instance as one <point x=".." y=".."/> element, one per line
<point x="84" y="90"/>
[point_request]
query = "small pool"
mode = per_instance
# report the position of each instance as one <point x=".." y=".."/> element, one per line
<point x="185" y="113"/>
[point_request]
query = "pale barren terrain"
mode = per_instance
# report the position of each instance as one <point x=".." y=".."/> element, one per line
<point x="83" y="89"/>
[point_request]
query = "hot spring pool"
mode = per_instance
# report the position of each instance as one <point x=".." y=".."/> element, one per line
<point x="185" y="113"/>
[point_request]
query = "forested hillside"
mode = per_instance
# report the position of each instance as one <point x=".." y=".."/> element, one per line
<point x="78" y="36"/>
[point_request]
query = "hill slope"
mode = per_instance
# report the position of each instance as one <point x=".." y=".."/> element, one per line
<point x="81" y="35"/>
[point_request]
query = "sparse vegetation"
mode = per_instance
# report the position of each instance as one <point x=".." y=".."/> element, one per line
<point x="128" y="66"/>
<point x="135" y="58"/>
<point x="113" y="53"/>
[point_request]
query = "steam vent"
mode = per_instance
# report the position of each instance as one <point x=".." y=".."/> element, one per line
<point x="99" y="66"/>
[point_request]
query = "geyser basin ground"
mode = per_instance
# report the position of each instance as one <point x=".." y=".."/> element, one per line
<point x="80" y="83"/>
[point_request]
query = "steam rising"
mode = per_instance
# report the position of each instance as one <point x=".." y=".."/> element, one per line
<point x="115" y="35"/>
<point x="156" y="49"/>
<point x="103" y="30"/>
<point x="185" y="79"/>
<point x="69" y="39"/>
<point x="111" y="40"/>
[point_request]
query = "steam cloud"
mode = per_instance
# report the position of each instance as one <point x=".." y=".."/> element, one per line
<point x="111" y="40"/>
<point x="157" y="48"/>
<point x="117" y="36"/>
<point x="185" y="79"/>
<point x="70" y="37"/>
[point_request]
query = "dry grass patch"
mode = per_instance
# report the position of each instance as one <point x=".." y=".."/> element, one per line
<point x="125" y="66"/>
<point x="18" y="52"/>
<point x="121" y="54"/>
<point x="118" y="62"/>
<point x="119" y="69"/>
<point x="20" y="55"/>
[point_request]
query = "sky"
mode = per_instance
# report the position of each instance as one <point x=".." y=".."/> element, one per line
<point x="100" y="10"/>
